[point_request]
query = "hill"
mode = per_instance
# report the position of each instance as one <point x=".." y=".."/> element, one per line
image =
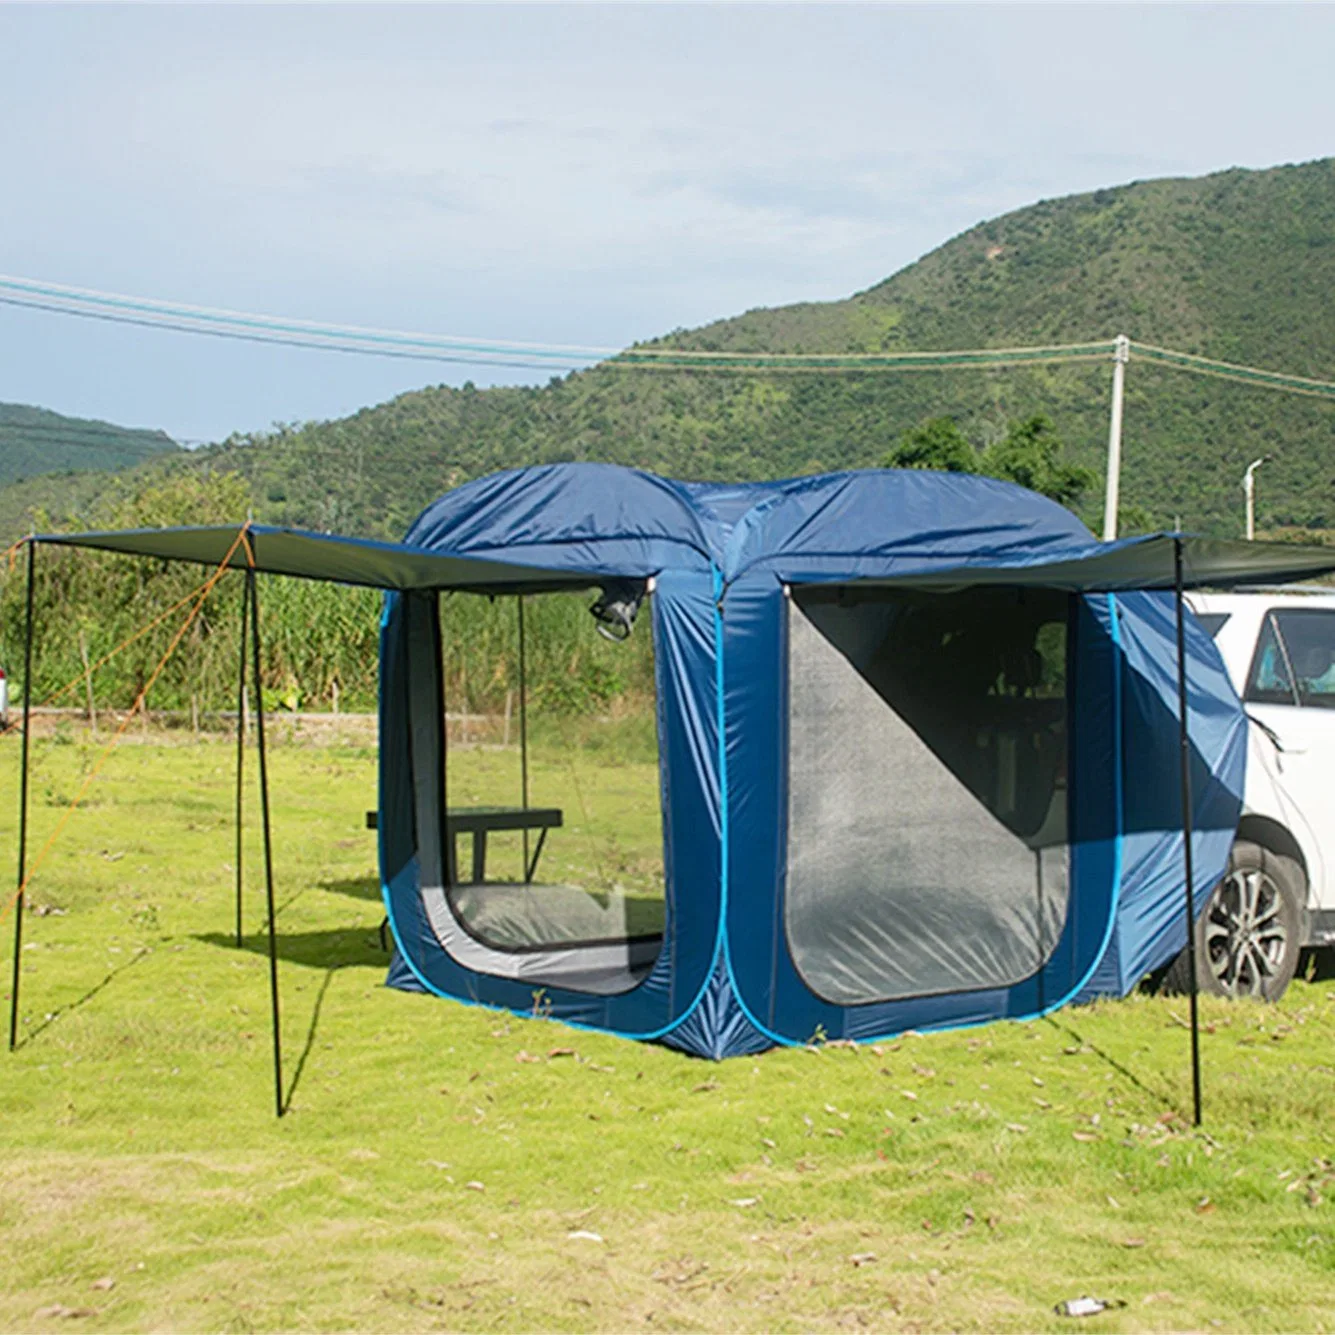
<point x="1238" y="266"/>
<point x="34" y="441"/>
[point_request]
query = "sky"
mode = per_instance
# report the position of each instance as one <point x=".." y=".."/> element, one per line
<point x="564" y="174"/>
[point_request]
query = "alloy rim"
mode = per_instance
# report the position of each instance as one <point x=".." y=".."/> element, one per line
<point x="1245" y="936"/>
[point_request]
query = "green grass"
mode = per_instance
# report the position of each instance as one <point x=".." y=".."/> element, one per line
<point x="442" y="1165"/>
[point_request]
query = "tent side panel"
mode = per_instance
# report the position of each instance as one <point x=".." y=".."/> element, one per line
<point x="771" y="988"/>
<point x="1151" y="919"/>
<point x="412" y="798"/>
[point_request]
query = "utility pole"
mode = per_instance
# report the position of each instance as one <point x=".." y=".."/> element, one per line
<point x="1249" y="490"/>
<point x="1121" y="355"/>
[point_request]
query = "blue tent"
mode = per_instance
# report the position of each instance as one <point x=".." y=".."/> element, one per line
<point x="917" y="737"/>
<point x="919" y="756"/>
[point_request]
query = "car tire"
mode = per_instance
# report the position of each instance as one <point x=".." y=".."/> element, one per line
<point x="1249" y="934"/>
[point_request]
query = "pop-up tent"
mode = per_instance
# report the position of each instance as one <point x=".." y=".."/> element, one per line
<point x="913" y="773"/>
<point x="922" y="748"/>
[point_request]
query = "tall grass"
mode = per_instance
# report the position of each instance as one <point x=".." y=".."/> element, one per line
<point x="321" y="642"/>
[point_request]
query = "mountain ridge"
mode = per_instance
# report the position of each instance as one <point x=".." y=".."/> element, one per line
<point x="37" y="440"/>
<point x="1238" y="265"/>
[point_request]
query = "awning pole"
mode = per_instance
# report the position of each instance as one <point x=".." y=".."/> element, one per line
<point x="240" y="755"/>
<point x="523" y="730"/>
<point x="253" y="593"/>
<point x="23" y="803"/>
<point x="1184" y="752"/>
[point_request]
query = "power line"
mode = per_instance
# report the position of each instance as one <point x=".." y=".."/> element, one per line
<point x="90" y="303"/>
<point x="220" y="315"/>
<point x="734" y="362"/>
<point x="1247" y="375"/>
<point x="288" y="342"/>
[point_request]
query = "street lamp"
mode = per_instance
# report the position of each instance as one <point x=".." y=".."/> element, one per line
<point x="1249" y="490"/>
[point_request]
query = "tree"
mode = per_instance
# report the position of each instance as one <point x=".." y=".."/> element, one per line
<point x="1030" y="454"/>
<point x="936" y="443"/>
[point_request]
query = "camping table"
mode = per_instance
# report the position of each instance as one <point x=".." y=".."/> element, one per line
<point x="482" y="821"/>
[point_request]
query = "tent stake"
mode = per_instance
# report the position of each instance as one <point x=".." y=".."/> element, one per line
<point x="253" y="593"/>
<point x="1184" y="752"/>
<point x="23" y="803"/>
<point x="523" y="732"/>
<point x="240" y="756"/>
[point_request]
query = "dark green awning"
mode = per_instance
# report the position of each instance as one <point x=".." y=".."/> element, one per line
<point x="1095" y="567"/>
<point x="325" y="556"/>
<point x="1113" y="567"/>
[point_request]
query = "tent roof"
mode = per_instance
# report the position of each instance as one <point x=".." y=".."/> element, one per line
<point x="326" y="556"/>
<point x="574" y="525"/>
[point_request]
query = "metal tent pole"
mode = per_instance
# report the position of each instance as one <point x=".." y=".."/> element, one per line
<point x="523" y="730"/>
<point x="240" y="755"/>
<point x="23" y="801"/>
<point x="253" y="594"/>
<point x="1184" y="752"/>
<point x="447" y="834"/>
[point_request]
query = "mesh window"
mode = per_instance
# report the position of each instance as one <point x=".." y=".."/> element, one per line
<point x="927" y="815"/>
<point x="556" y="871"/>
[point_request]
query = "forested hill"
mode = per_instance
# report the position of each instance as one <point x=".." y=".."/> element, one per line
<point x="35" y="441"/>
<point x="1238" y="266"/>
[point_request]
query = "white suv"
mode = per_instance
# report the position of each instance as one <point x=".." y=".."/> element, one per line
<point x="1278" y="894"/>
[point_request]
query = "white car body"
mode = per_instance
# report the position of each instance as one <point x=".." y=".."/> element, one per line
<point x="1279" y="649"/>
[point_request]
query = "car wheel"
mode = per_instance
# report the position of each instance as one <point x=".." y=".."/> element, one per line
<point x="1249" y="934"/>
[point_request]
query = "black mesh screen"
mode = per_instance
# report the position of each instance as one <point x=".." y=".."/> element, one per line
<point x="927" y="789"/>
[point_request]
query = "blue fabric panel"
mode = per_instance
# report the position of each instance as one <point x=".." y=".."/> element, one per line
<point x="683" y="617"/>
<point x="395" y="827"/>
<point x="596" y="518"/>
<point x="849" y="525"/>
<point x="1151" y="919"/>
<point x="770" y="990"/>
<point x="723" y="505"/>
<point x="718" y="1027"/>
<point x="400" y="976"/>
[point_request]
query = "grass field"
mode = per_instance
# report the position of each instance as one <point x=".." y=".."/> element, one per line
<point x="445" y="1167"/>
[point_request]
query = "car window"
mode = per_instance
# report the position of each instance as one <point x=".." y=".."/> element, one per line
<point x="1270" y="682"/>
<point x="1308" y="636"/>
<point x="1213" y="621"/>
